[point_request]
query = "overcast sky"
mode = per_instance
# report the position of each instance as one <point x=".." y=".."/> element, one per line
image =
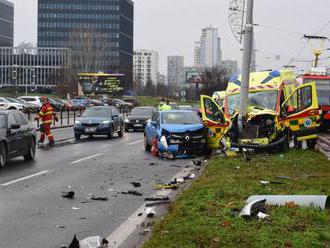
<point x="172" y="26"/>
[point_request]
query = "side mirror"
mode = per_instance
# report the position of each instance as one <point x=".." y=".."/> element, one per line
<point x="15" y="126"/>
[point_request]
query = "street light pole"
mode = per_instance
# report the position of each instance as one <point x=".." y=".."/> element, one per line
<point x="246" y="64"/>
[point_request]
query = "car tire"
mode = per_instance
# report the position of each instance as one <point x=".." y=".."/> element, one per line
<point x="32" y="152"/>
<point x="147" y="147"/>
<point x="12" y="108"/>
<point x="77" y="136"/>
<point x="110" y="135"/>
<point x="311" y="144"/>
<point x="3" y="155"/>
<point x="121" y="132"/>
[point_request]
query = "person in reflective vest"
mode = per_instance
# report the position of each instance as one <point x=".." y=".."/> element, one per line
<point x="164" y="105"/>
<point x="46" y="116"/>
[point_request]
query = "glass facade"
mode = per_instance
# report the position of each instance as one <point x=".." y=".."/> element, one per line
<point x="102" y="27"/>
<point x="6" y="23"/>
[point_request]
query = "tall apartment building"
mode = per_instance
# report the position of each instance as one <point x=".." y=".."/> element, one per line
<point x="208" y="49"/>
<point x="175" y="70"/>
<point x="145" y="66"/>
<point x="6" y="23"/>
<point x="99" y="32"/>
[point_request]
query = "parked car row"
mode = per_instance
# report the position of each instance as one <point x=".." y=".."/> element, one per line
<point x="32" y="104"/>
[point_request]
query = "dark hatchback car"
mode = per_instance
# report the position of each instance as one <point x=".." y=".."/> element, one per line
<point x="17" y="137"/>
<point x="138" y="118"/>
<point x="100" y="120"/>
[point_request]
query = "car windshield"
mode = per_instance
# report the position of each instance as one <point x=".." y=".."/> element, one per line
<point x="2" y="121"/>
<point x="97" y="112"/>
<point x="262" y="99"/>
<point x="180" y="118"/>
<point x="142" y="111"/>
<point x="11" y="100"/>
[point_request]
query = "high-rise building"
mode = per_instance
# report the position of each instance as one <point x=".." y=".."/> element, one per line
<point x="208" y="49"/>
<point x="145" y="66"/>
<point x="99" y="32"/>
<point x="6" y="23"/>
<point x="175" y="70"/>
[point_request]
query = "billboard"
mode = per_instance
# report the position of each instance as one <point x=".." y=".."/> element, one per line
<point x="101" y="84"/>
<point x="193" y="76"/>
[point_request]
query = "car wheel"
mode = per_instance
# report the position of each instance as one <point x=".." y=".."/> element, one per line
<point x="32" y="152"/>
<point x="121" y="132"/>
<point x="147" y="147"/>
<point x="311" y="144"/>
<point x="110" y="135"/>
<point x="77" y="136"/>
<point x="3" y="155"/>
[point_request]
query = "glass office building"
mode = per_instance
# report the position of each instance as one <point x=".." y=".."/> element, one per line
<point x="100" y="33"/>
<point x="6" y="23"/>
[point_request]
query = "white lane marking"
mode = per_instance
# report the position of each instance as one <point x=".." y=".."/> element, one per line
<point x="133" y="143"/>
<point x="24" y="178"/>
<point x="118" y="236"/>
<point x="82" y="159"/>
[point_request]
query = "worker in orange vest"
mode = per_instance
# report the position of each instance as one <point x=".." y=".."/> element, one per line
<point x="46" y="116"/>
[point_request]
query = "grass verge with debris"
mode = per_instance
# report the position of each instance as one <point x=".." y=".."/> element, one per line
<point x="205" y="214"/>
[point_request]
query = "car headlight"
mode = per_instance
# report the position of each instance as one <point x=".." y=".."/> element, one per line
<point x="127" y="121"/>
<point x="105" y="122"/>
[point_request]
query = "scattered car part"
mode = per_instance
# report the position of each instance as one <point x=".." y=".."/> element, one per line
<point x="131" y="192"/>
<point x="157" y="198"/>
<point x="261" y="215"/>
<point x="253" y="208"/>
<point x="135" y="184"/>
<point x="150" y="212"/>
<point x="69" y="194"/>
<point x="321" y="201"/>
<point x="97" y="198"/>
<point x="90" y="242"/>
<point x="74" y="242"/>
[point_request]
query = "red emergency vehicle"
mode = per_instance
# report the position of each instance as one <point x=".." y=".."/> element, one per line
<point x="321" y="77"/>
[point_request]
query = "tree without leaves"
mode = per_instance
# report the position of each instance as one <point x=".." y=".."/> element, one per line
<point x="215" y="79"/>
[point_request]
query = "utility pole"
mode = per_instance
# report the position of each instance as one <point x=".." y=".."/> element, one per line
<point x="246" y="64"/>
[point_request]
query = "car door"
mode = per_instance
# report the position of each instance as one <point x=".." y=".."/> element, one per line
<point x="14" y="136"/>
<point x="214" y="120"/>
<point x="24" y="130"/>
<point x="300" y="114"/>
<point x="115" y="118"/>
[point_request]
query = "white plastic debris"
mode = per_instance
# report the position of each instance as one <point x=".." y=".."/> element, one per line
<point x="90" y="242"/>
<point x="264" y="182"/>
<point x="261" y="215"/>
<point x="180" y="180"/>
<point x="150" y="212"/>
<point x="75" y="208"/>
<point x="192" y="176"/>
<point x="164" y="142"/>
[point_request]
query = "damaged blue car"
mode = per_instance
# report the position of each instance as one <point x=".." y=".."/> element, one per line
<point x="175" y="134"/>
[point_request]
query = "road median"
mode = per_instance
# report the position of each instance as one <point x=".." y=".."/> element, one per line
<point x="207" y="214"/>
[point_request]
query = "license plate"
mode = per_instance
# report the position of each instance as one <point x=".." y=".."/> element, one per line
<point x="90" y="130"/>
<point x="138" y="125"/>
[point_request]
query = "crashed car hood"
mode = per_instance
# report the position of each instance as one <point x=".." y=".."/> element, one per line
<point x="255" y="111"/>
<point x="181" y="128"/>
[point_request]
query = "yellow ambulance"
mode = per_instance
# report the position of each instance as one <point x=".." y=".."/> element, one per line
<point x="279" y="111"/>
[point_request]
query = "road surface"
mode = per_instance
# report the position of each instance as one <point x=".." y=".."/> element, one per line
<point x="32" y="211"/>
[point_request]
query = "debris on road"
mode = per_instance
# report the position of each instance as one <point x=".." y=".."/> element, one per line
<point x="60" y="226"/>
<point x="135" y="184"/>
<point x="131" y="192"/>
<point x="157" y="198"/>
<point x="175" y="165"/>
<point x="264" y="182"/>
<point x="90" y="242"/>
<point x="166" y="186"/>
<point x="98" y="198"/>
<point x="321" y="201"/>
<point x="68" y="194"/>
<point x="197" y="162"/>
<point x="156" y="203"/>
<point x="253" y="208"/>
<point x="150" y="212"/>
<point x="75" y="208"/>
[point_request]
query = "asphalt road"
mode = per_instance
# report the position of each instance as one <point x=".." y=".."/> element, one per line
<point x="32" y="211"/>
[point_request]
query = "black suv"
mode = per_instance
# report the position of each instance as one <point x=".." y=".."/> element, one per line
<point x="17" y="136"/>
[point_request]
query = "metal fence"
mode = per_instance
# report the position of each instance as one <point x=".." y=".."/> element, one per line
<point x="67" y="118"/>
